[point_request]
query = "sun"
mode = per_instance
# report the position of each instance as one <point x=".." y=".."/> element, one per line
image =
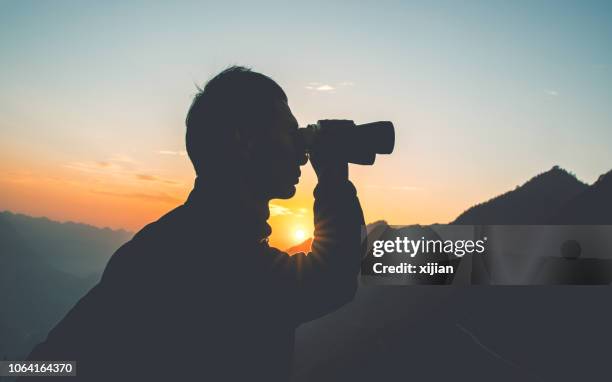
<point x="299" y="234"/>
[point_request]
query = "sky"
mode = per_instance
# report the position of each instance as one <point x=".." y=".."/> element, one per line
<point x="483" y="94"/>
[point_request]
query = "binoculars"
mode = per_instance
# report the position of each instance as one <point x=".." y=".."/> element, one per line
<point x="343" y="140"/>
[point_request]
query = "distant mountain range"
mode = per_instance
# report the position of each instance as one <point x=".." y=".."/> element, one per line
<point x="45" y="267"/>
<point x="79" y="249"/>
<point x="553" y="197"/>
<point x="591" y="206"/>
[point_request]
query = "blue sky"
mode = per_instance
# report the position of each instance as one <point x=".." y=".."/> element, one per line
<point x="484" y="94"/>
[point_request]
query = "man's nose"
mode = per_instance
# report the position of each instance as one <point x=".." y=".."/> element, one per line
<point x="300" y="150"/>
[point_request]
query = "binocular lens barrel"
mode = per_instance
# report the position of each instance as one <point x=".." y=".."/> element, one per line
<point x="379" y="137"/>
<point x="343" y="139"/>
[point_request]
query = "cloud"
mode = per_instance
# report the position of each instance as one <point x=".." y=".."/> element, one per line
<point x="320" y="87"/>
<point x="552" y="93"/>
<point x="119" y="166"/>
<point x="158" y="197"/>
<point x="93" y="167"/>
<point x="277" y="210"/>
<point x="324" y="88"/>
<point x="171" y="152"/>
<point x="122" y="158"/>
<point x="19" y="177"/>
<point x="116" y="163"/>
<point x="146" y="177"/>
<point x="153" y="178"/>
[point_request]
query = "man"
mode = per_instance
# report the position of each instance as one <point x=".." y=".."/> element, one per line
<point x="199" y="294"/>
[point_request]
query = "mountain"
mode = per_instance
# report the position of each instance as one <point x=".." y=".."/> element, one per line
<point x="34" y="295"/>
<point x="75" y="248"/>
<point x="535" y="202"/>
<point x="591" y="206"/>
<point x="302" y="247"/>
<point x="45" y="267"/>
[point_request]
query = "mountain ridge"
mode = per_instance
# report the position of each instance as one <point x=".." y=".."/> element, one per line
<point x="591" y="206"/>
<point x="534" y="202"/>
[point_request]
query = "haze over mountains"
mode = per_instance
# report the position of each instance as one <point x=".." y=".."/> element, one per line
<point x="79" y="249"/>
<point x="46" y="266"/>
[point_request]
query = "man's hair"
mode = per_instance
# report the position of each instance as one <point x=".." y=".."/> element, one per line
<point x="235" y="100"/>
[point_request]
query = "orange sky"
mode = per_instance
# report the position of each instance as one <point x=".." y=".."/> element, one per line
<point x="127" y="191"/>
<point x="123" y="192"/>
<point x="117" y="178"/>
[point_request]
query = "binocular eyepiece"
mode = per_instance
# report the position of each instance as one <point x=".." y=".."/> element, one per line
<point x="343" y="140"/>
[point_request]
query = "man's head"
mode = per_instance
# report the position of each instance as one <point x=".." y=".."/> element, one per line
<point x="240" y="127"/>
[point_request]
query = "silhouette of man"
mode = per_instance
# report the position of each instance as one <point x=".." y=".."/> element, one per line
<point x="199" y="294"/>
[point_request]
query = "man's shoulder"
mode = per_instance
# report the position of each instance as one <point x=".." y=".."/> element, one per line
<point x="173" y="223"/>
<point x="152" y="242"/>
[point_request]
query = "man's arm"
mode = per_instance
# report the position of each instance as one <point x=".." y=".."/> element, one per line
<point x="326" y="278"/>
<point x="329" y="273"/>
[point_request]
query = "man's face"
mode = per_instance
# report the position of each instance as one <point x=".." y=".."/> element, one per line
<point x="275" y="156"/>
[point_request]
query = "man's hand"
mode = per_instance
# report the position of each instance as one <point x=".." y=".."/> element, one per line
<point x="327" y="165"/>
